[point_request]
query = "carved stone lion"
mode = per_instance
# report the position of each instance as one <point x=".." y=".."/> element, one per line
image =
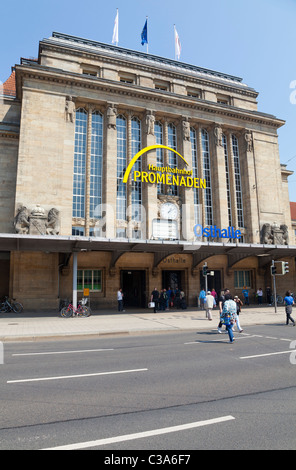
<point x="266" y="236"/>
<point x="21" y="221"/>
<point x="53" y="222"/>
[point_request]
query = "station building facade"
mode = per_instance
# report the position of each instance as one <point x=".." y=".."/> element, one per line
<point x="136" y="170"/>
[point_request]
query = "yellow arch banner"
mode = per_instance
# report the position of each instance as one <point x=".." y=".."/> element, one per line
<point x="147" y="149"/>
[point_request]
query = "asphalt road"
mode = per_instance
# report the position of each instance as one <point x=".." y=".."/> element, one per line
<point x="178" y="392"/>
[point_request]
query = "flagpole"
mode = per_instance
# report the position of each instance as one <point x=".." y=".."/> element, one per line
<point x="175" y="41"/>
<point x="147" y="33"/>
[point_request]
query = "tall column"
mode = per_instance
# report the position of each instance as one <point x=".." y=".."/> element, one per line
<point x="149" y="200"/>
<point x="187" y="194"/>
<point x="249" y="188"/>
<point x="110" y="171"/>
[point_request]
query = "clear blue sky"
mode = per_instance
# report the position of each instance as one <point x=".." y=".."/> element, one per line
<point x="252" y="39"/>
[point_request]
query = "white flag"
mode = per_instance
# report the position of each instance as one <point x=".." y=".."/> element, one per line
<point x="115" y="31"/>
<point x="177" y="45"/>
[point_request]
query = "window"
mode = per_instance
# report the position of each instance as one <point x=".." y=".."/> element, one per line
<point x="224" y="141"/>
<point x="79" y="163"/>
<point x="125" y="78"/>
<point x="242" y="279"/>
<point x="195" y="173"/>
<point x="207" y="176"/>
<point x="121" y="167"/>
<point x="193" y="93"/>
<point x="89" y="279"/>
<point x="163" y="86"/>
<point x="136" y="142"/>
<point x="172" y="157"/>
<point x="90" y="73"/>
<point x="158" y="131"/>
<point x="238" y="185"/>
<point x="96" y="165"/>
<point x="222" y="99"/>
<point x="88" y="166"/>
<point x="78" y="231"/>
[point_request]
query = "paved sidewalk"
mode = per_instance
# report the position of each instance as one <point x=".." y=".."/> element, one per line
<point x="30" y="326"/>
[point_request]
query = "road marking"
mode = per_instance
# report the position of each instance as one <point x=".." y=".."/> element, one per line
<point x="264" y="355"/>
<point x="62" y="352"/>
<point x="76" y="376"/>
<point x="141" y="435"/>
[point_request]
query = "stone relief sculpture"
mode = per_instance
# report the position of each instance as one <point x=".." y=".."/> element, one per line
<point x="53" y="222"/>
<point x="150" y="120"/>
<point x="111" y="117"/>
<point x="21" y="221"/>
<point x="186" y="129"/>
<point x="249" y="141"/>
<point x="70" y="110"/>
<point x="272" y="234"/>
<point x="37" y="221"/>
<point x="218" y="136"/>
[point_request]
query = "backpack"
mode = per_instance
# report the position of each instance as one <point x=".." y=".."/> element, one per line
<point x="228" y="312"/>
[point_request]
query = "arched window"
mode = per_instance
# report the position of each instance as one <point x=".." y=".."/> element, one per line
<point x="96" y="165"/>
<point x="136" y="144"/>
<point x="79" y="163"/>
<point x="206" y="162"/>
<point x="158" y="131"/>
<point x="224" y="141"/>
<point x="193" y="139"/>
<point x="172" y="157"/>
<point x="238" y="184"/>
<point x="121" y="167"/>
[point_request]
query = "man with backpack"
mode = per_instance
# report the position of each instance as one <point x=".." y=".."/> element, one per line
<point x="228" y="315"/>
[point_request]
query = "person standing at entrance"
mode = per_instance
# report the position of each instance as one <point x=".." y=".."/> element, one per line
<point x="202" y="298"/>
<point x="289" y="302"/>
<point x="155" y="299"/>
<point x="120" y="300"/>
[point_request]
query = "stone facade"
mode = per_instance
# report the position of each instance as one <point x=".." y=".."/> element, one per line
<point x="37" y="146"/>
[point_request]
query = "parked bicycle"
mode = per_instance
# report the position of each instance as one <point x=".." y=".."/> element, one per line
<point x="279" y="299"/>
<point x="11" y="306"/>
<point x="82" y="310"/>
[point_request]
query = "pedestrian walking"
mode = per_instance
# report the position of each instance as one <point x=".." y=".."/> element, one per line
<point x="239" y="304"/>
<point x="228" y="315"/>
<point x="155" y="299"/>
<point x="210" y="304"/>
<point x="221" y="304"/>
<point x="289" y="302"/>
<point x="120" y="300"/>
<point x="202" y="297"/>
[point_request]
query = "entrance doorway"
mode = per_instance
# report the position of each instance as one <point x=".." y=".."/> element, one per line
<point x="214" y="282"/>
<point x="133" y="285"/>
<point x="173" y="279"/>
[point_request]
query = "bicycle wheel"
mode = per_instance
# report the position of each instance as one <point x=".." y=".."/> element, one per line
<point x="84" y="311"/>
<point x="279" y="299"/>
<point x="66" y="312"/>
<point x="17" y="307"/>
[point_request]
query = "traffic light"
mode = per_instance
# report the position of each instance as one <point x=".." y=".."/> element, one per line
<point x="285" y="267"/>
<point x="273" y="270"/>
<point x="205" y="270"/>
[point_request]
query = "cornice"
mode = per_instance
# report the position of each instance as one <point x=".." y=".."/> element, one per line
<point x="143" y="94"/>
<point x="210" y="81"/>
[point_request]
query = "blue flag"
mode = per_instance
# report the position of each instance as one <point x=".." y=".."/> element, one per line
<point x="144" y="35"/>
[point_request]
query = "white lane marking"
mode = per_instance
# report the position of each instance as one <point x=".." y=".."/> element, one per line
<point x="76" y="376"/>
<point x="62" y="352"/>
<point x="265" y="355"/>
<point x="141" y="435"/>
